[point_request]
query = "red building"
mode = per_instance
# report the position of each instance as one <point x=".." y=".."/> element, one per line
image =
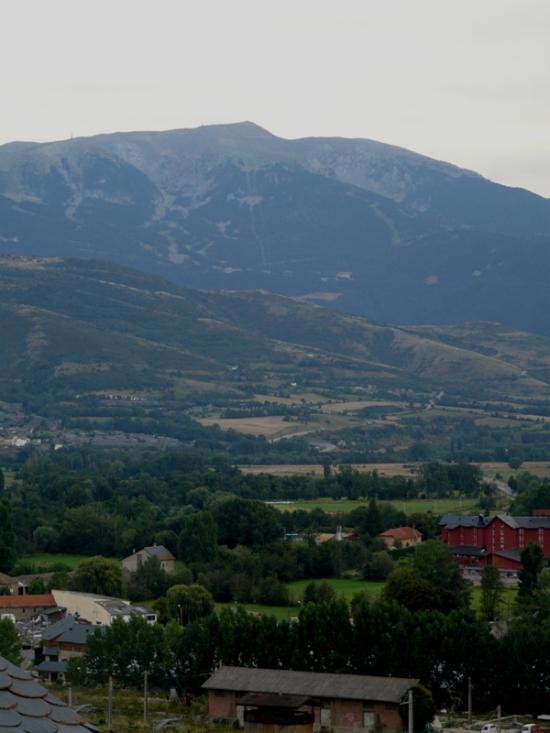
<point x="497" y="540"/>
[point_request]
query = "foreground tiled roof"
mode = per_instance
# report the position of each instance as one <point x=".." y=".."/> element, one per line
<point x="27" y="707"/>
<point x="311" y="684"/>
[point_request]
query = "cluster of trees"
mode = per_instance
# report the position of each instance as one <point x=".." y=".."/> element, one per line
<point x="391" y="635"/>
<point x="108" y="503"/>
<point x="103" y="503"/>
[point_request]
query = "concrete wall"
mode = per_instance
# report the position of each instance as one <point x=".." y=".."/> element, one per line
<point x="272" y="728"/>
<point x="23" y="613"/>
<point x="84" y="605"/>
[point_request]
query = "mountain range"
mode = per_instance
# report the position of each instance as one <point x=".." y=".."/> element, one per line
<point x="355" y="225"/>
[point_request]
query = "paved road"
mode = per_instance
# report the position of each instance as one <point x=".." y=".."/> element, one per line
<point x="503" y="487"/>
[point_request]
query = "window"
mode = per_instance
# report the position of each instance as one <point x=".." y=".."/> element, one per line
<point x="369" y="720"/>
<point x="326" y="718"/>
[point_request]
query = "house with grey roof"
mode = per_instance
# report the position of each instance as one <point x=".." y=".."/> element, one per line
<point x="61" y="642"/>
<point x="308" y="701"/>
<point x="167" y="561"/>
<point x="27" y="707"/>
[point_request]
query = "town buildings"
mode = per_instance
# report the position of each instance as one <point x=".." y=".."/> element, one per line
<point x="285" y="700"/>
<point x="498" y="540"/>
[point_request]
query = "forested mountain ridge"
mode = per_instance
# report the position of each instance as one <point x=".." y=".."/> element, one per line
<point x="355" y="224"/>
<point x="69" y="320"/>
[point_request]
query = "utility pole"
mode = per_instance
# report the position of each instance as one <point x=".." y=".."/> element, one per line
<point x="411" y="718"/>
<point x="469" y="701"/>
<point x="145" y="694"/>
<point x="499" y="716"/>
<point x="110" y="704"/>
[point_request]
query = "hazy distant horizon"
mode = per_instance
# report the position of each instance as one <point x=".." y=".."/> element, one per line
<point x="467" y="83"/>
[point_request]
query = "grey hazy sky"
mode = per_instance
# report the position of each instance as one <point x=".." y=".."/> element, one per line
<point x="461" y="80"/>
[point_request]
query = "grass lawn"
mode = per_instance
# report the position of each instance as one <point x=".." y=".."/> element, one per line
<point x="409" y="506"/>
<point x="279" y="612"/>
<point x="128" y="710"/>
<point x="49" y="559"/>
<point x="343" y="587"/>
<point x="508" y="600"/>
<point x="347" y="588"/>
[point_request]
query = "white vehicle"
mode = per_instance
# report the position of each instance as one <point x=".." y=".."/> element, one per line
<point x="489" y="728"/>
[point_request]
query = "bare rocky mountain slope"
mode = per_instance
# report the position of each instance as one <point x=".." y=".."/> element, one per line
<point x="355" y="224"/>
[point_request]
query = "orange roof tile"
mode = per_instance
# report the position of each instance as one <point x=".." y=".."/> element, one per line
<point x="41" y="600"/>
<point x="402" y="533"/>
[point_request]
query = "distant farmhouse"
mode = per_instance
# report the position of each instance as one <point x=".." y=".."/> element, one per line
<point x="279" y="700"/>
<point x="499" y="540"/>
<point x="339" y="536"/>
<point x="18" y="585"/>
<point x="167" y="561"/>
<point x="400" y="537"/>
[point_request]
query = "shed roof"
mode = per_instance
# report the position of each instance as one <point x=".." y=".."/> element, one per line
<point x="50" y="666"/>
<point x="27" y="707"/>
<point x="310" y="684"/>
<point x="514" y="555"/>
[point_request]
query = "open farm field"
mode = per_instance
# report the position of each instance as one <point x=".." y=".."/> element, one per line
<point x="537" y="468"/>
<point x="333" y="408"/>
<point x="409" y="506"/>
<point x="490" y="469"/>
<point x="270" y="427"/>
<point x="316" y="469"/>
<point x="48" y="560"/>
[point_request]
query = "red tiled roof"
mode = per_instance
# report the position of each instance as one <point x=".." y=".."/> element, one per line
<point x="402" y="533"/>
<point x="41" y="600"/>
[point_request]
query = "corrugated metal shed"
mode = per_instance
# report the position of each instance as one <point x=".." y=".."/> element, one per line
<point x="310" y="684"/>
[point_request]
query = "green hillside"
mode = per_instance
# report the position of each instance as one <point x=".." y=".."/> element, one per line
<point x="97" y="348"/>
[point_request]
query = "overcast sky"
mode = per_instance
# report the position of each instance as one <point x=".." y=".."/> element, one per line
<point x="461" y="80"/>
